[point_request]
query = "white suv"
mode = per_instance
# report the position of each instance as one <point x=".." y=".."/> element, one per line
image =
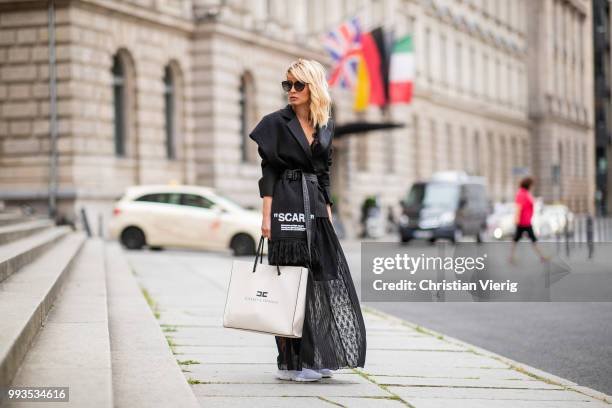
<point x="184" y="216"/>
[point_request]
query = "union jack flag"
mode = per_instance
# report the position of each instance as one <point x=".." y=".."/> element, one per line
<point x="344" y="46"/>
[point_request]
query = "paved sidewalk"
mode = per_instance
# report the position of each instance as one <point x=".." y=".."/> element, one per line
<point x="405" y="365"/>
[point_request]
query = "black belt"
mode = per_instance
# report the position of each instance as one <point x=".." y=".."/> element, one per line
<point x="295" y="174"/>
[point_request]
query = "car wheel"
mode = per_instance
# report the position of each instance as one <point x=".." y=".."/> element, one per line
<point x="133" y="238"/>
<point x="243" y="244"/>
<point x="480" y="235"/>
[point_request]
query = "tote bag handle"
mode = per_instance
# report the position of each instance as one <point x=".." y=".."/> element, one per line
<point x="259" y="254"/>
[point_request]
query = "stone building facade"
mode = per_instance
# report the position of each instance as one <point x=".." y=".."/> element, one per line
<point x="602" y="42"/>
<point x="158" y="91"/>
<point x="561" y="100"/>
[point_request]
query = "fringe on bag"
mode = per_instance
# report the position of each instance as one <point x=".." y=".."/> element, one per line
<point x="291" y="252"/>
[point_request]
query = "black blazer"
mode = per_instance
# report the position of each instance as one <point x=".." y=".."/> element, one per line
<point x="282" y="145"/>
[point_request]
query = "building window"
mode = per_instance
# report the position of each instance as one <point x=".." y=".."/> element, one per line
<point x="169" y="112"/>
<point x="585" y="161"/>
<point x="119" y="105"/>
<point x="526" y="153"/>
<point x="416" y="154"/>
<point x="450" y="151"/>
<point x="443" y="65"/>
<point x="473" y="71"/>
<point x="580" y="63"/>
<point x="434" y="146"/>
<point x="491" y="158"/>
<point x="248" y="149"/>
<point x="509" y="85"/>
<point x="389" y="147"/>
<point x="428" y="53"/>
<point x="577" y="159"/>
<point x="497" y="79"/>
<point x="459" y="67"/>
<point x="503" y="162"/>
<point x="557" y="173"/>
<point x="362" y="154"/>
<point x="477" y="168"/>
<point x="466" y="148"/>
<point x="485" y="75"/>
<point x="514" y="155"/>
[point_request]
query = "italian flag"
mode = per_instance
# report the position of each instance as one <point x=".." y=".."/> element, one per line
<point x="401" y="71"/>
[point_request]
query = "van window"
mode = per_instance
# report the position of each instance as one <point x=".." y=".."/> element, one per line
<point x="434" y="195"/>
<point x="476" y="195"/>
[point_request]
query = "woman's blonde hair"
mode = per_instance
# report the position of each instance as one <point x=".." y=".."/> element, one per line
<point x="313" y="73"/>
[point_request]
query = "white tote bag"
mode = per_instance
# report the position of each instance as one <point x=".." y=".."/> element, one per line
<point x="266" y="298"/>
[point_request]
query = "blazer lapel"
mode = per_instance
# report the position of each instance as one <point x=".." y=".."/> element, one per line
<point x="296" y="129"/>
<point x="298" y="134"/>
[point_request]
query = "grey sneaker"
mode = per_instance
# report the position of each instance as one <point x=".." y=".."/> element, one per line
<point x="287" y="375"/>
<point x="307" y="374"/>
<point x="326" y="372"/>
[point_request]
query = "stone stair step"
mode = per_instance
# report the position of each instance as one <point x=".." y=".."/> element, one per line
<point x="10" y="217"/>
<point x="17" y="254"/>
<point x="27" y="296"/>
<point x="72" y="349"/>
<point x="13" y="232"/>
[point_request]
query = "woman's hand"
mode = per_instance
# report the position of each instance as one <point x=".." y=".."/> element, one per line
<point x="266" y="217"/>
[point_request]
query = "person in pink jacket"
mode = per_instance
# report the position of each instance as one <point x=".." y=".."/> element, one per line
<point x="524" y="214"/>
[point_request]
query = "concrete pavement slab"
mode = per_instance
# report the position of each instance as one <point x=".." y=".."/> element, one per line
<point x="528" y="383"/>
<point x="460" y="393"/>
<point x="268" y="402"/>
<point x="488" y="403"/>
<point x="408" y="358"/>
<point x="414" y="343"/>
<point x="466" y="373"/>
<point x="243" y="374"/>
<point x="324" y="388"/>
<point x="368" y="402"/>
<point x="219" y="336"/>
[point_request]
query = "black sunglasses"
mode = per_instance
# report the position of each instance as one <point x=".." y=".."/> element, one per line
<point x="299" y="86"/>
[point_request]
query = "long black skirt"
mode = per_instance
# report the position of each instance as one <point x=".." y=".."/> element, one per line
<point x="334" y="333"/>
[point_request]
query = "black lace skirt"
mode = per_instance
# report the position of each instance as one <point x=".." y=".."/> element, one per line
<point x="334" y="334"/>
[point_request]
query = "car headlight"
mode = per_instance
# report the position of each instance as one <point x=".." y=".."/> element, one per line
<point x="498" y="233"/>
<point x="447" y="218"/>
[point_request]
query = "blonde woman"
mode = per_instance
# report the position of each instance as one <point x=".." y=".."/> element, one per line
<point x="295" y="145"/>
